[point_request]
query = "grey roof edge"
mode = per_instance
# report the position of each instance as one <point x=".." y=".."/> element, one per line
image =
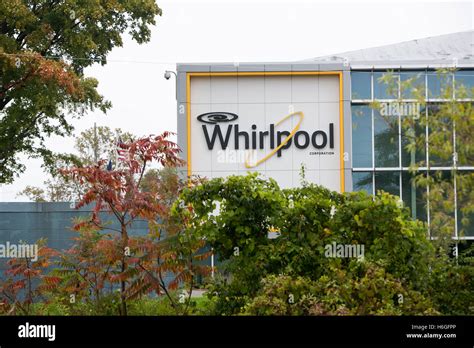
<point x="449" y="46"/>
<point x="355" y="65"/>
<point x="263" y="66"/>
<point x="411" y="64"/>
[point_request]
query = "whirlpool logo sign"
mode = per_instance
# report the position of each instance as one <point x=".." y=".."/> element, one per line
<point x="220" y="127"/>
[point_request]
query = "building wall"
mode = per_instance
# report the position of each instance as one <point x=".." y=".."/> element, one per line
<point x="30" y="221"/>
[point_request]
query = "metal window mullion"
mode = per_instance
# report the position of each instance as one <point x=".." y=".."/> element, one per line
<point x="400" y="137"/>
<point x="460" y="238"/>
<point x="455" y="164"/>
<point x="372" y="94"/>
<point x="441" y="168"/>
<point x="362" y="169"/>
<point x="387" y="169"/>
<point x="456" y="232"/>
<point x="428" y="216"/>
<point x="361" y="101"/>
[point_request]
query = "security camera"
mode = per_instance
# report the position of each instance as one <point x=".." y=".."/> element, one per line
<point x="167" y="75"/>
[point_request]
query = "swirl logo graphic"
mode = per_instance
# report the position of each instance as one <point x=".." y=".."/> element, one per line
<point x="217" y="117"/>
<point x="253" y="164"/>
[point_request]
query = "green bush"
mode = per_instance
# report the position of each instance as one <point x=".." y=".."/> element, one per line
<point x="343" y="293"/>
<point x="282" y="295"/>
<point x="60" y="305"/>
<point x="151" y="306"/>
<point x="227" y="297"/>
<point x="52" y="308"/>
<point x="204" y="306"/>
<point x="452" y="284"/>
<point x="148" y="306"/>
<point x="236" y="214"/>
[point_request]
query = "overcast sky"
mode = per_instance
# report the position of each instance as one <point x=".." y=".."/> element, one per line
<point x="245" y="31"/>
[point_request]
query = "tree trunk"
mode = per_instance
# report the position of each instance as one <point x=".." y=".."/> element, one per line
<point x="123" y="283"/>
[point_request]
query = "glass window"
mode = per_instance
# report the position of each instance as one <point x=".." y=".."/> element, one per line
<point x="464" y="148"/>
<point x="439" y="85"/>
<point x="388" y="182"/>
<point x="413" y="141"/>
<point x="441" y="203"/>
<point x="414" y="197"/>
<point x="386" y="140"/>
<point x="360" y="82"/>
<point x="361" y="136"/>
<point x="464" y="79"/>
<point x="385" y="89"/>
<point x="441" y="141"/>
<point x="362" y="181"/>
<point x="412" y="84"/>
<point x="464" y="193"/>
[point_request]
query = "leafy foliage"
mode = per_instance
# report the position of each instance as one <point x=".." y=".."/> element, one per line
<point x="44" y="48"/>
<point x="92" y="145"/>
<point x="139" y="264"/>
<point x="237" y="214"/>
<point x="364" y="289"/>
<point x="452" y="284"/>
<point x="26" y="275"/>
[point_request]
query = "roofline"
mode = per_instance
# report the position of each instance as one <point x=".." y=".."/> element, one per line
<point x="325" y="65"/>
<point x="341" y="54"/>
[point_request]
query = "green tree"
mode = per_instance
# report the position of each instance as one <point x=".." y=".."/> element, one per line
<point x="98" y="143"/>
<point x="44" y="47"/>
<point x="92" y="145"/>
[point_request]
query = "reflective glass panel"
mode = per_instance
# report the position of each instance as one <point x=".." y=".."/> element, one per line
<point x="362" y="181"/>
<point x="386" y="140"/>
<point x="360" y="83"/>
<point x="361" y="136"/>
<point x="388" y="182"/>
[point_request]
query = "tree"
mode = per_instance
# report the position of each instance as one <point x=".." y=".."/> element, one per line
<point x="101" y="142"/>
<point x="44" y="47"/>
<point x="35" y="194"/>
<point x="159" y="262"/>
<point x="119" y="192"/>
<point x="92" y="145"/>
